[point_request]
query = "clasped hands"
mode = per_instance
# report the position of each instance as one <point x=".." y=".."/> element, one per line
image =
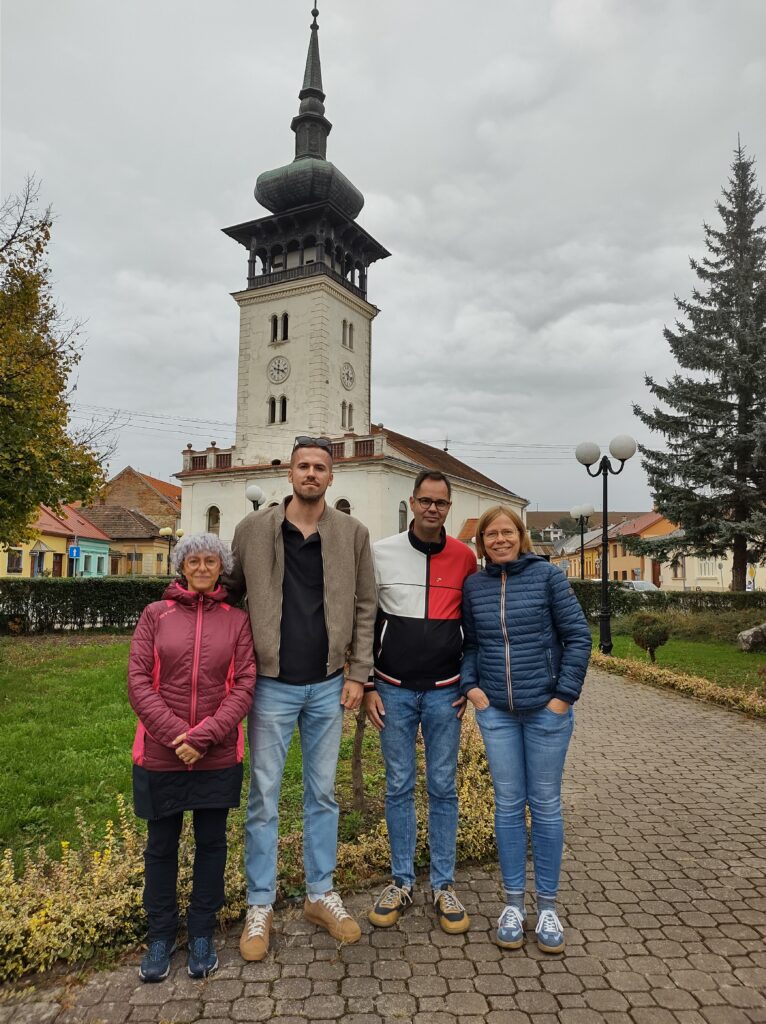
<point x="183" y="750"/>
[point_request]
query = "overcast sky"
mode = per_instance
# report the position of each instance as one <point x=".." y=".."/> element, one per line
<point x="539" y="170"/>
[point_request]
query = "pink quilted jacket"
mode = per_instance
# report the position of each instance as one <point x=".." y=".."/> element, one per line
<point x="191" y="670"/>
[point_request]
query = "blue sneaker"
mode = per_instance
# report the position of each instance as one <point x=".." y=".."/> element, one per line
<point x="155" y="965"/>
<point x="203" y="959"/>
<point x="550" y="934"/>
<point x="510" y="928"/>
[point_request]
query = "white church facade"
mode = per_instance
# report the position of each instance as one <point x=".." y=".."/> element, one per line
<point x="305" y="356"/>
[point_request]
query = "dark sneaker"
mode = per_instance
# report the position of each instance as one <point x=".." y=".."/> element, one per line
<point x="510" y="928"/>
<point x="203" y="959"/>
<point x="155" y="965"/>
<point x="450" y="911"/>
<point x="390" y="905"/>
<point x="550" y="934"/>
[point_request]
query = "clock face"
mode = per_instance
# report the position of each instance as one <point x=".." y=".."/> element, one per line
<point x="278" y="369"/>
<point x="347" y="376"/>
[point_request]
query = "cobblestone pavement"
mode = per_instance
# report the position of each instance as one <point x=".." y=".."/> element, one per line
<point x="663" y="895"/>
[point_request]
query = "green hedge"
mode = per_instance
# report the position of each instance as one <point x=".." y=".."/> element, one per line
<point x="624" y="601"/>
<point x="47" y="604"/>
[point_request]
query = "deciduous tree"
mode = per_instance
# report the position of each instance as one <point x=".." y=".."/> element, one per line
<point x="40" y="459"/>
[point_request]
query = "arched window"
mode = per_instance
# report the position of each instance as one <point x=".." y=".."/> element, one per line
<point x="213" y="519"/>
<point x="402" y="516"/>
<point x="350" y="415"/>
<point x="283" y="409"/>
<point x="344" y="342"/>
<point x="343" y="505"/>
<point x="285" y="325"/>
<point x="343" y="415"/>
<point x="272" y="410"/>
<point x="275" y="328"/>
<point x="351" y="336"/>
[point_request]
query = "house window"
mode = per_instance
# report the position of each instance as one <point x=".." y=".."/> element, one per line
<point x="272" y="410"/>
<point x="160" y="560"/>
<point x="615" y="575"/>
<point x="343" y="506"/>
<point x="402" y="516"/>
<point x="283" y="409"/>
<point x="275" y="328"/>
<point x="213" y="519"/>
<point x="678" y="569"/>
<point x="285" y="326"/>
<point x="624" y="574"/>
<point x="15" y="561"/>
<point x="614" y="551"/>
<point x="136" y="562"/>
<point x="101" y="565"/>
<point x="343" y="415"/>
<point x="87" y="563"/>
<point x="706" y="567"/>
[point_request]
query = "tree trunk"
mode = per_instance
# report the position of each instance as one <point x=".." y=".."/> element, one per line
<point x="357" y="775"/>
<point x="652" y="656"/>
<point x="739" y="563"/>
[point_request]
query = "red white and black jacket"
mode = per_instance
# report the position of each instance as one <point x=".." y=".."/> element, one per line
<point x="418" y="634"/>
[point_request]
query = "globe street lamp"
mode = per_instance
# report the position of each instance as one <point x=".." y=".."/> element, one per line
<point x="254" y="494"/>
<point x="167" y="531"/>
<point x="622" y="448"/>
<point x="581" y="514"/>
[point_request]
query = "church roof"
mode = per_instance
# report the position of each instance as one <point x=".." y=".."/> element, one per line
<point x="434" y="458"/>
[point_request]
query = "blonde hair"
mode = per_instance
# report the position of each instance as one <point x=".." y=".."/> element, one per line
<point x="525" y="546"/>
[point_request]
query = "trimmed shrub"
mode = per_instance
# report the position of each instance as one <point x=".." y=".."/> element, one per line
<point x="650" y="632"/>
<point x="689" y="602"/>
<point x="42" y="605"/>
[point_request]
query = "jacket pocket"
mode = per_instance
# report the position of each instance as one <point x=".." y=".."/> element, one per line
<point x="549" y="663"/>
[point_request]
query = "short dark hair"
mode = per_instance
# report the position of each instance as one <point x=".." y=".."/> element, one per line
<point x="324" y="444"/>
<point x="431" y="474"/>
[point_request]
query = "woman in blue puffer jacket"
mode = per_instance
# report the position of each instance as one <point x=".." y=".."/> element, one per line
<point x="525" y="655"/>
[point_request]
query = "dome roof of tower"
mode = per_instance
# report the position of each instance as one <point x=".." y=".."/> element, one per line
<point x="305" y="181"/>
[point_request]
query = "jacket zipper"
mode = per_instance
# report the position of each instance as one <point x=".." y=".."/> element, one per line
<point x="195" y="661"/>
<point x="505" y="641"/>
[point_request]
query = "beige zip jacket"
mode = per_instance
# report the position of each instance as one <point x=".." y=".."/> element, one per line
<point x="350" y="600"/>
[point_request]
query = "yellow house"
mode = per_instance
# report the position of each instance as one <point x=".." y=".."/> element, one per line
<point x="622" y="564"/>
<point x="48" y="554"/>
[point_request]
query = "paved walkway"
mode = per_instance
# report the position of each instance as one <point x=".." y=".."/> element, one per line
<point x="663" y="892"/>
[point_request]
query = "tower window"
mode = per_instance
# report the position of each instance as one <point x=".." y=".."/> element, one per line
<point x="351" y="336"/>
<point x="344" y="342"/>
<point x="272" y="410"/>
<point x="285" y="325"/>
<point x="213" y="519"/>
<point x="275" y="328"/>
<point x="402" y="516"/>
<point x="343" y="415"/>
<point x="283" y="409"/>
<point x="350" y="415"/>
<point x="343" y="505"/>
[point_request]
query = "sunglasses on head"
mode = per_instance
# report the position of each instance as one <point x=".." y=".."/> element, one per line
<point x="313" y="442"/>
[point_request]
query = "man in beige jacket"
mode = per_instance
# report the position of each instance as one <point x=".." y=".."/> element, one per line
<point x="307" y="571"/>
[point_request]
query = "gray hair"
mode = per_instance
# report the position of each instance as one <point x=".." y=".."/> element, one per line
<point x="198" y="544"/>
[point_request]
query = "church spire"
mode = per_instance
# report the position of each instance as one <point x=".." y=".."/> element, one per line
<point x="311" y="127"/>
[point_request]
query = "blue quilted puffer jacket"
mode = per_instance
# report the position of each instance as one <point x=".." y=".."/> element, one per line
<point x="526" y="637"/>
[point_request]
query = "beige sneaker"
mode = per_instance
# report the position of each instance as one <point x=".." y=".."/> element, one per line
<point x="329" y="913"/>
<point x="254" y="943"/>
<point x="450" y="912"/>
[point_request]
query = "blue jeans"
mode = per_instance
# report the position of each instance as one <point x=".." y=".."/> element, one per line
<point x="526" y="752"/>
<point x="277" y="707"/>
<point x="433" y="711"/>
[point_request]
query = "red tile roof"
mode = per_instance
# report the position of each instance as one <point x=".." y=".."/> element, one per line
<point x="69" y="522"/>
<point x="468" y="530"/>
<point x="122" y="523"/>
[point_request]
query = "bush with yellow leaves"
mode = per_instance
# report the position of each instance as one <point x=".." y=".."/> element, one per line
<point x="89" y="902"/>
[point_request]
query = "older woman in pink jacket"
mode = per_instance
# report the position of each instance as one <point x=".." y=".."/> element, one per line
<point x="190" y="681"/>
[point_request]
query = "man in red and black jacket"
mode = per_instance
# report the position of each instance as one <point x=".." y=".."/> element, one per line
<point x="418" y="649"/>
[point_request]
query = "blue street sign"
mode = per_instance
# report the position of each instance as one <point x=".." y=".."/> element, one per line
<point x="74" y="551"/>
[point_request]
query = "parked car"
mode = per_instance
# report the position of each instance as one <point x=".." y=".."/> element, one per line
<point x="641" y="585"/>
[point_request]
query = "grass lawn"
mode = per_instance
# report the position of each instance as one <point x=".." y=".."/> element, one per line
<point x="66" y="731"/>
<point x="721" y="663"/>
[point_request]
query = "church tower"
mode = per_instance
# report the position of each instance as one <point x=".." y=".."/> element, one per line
<point x="305" y="320"/>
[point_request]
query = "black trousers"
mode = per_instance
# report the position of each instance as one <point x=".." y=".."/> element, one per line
<point x="161" y="873"/>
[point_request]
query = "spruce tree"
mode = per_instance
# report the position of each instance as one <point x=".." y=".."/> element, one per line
<point x="711" y="477"/>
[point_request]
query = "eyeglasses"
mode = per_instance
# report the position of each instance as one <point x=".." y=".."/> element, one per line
<point x="440" y="503"/>
<point x="313" y="442"/>
<point x="497" y="534"/>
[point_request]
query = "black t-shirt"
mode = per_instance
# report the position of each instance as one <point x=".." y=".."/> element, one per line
<point x="303" y="633"/>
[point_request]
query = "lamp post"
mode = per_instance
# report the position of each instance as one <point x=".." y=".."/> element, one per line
<point x="171" y="534"/>
<point x="622" y="448"/>
<point x="582" y="513"/>
<point x="254" y="494"/>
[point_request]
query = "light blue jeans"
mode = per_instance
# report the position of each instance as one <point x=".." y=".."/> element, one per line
<point x="433" y="711"/>
<point x="277" y="708"/>
<point x="526" y="752"/>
